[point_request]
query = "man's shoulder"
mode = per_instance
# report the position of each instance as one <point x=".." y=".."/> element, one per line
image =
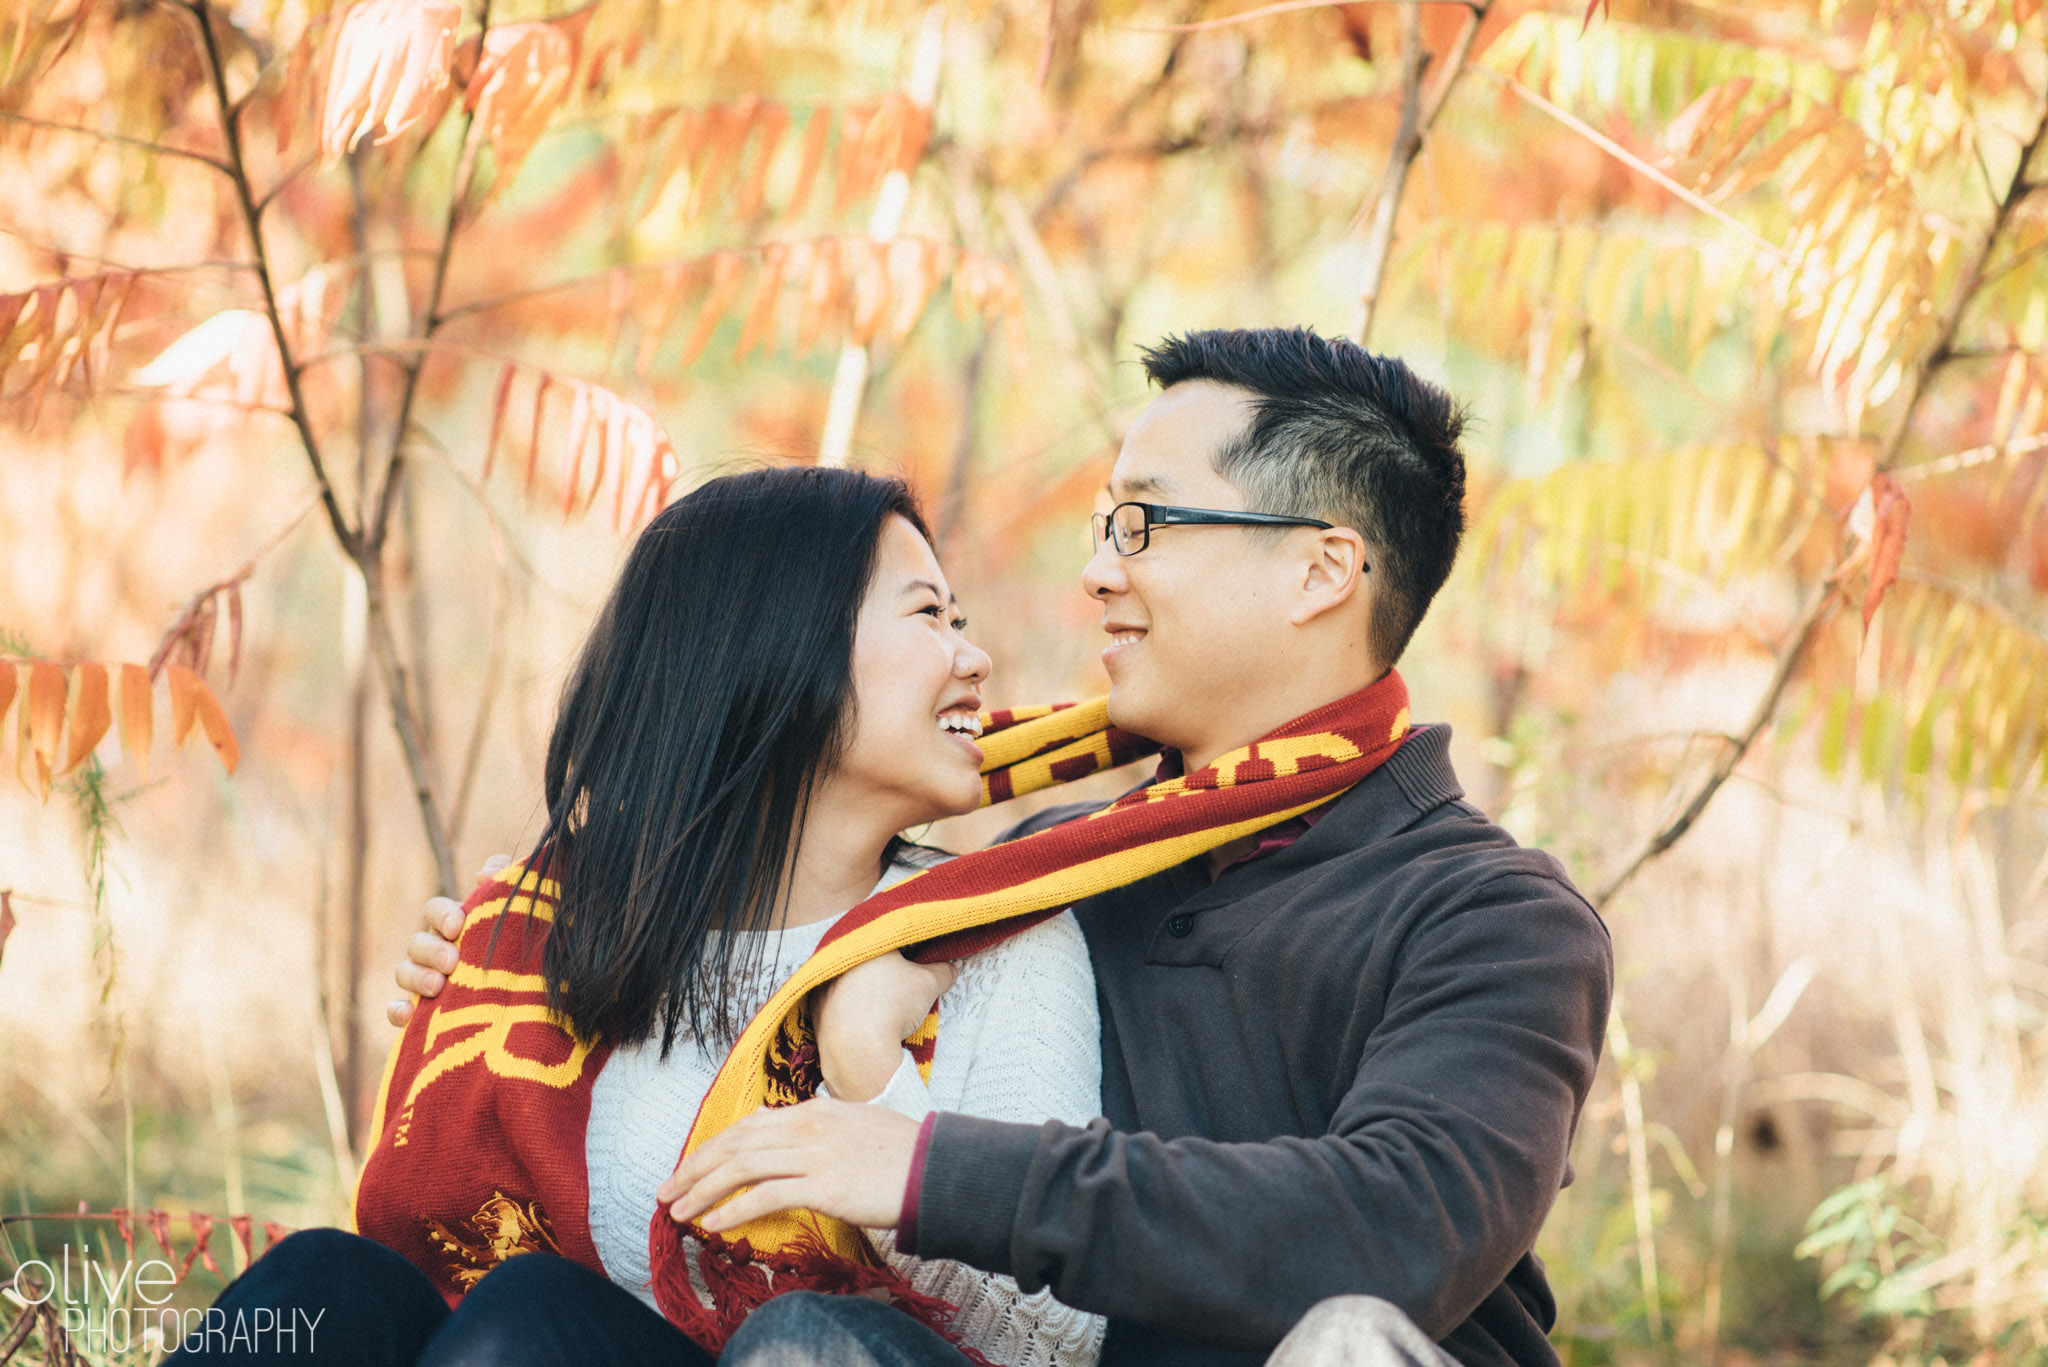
<point x="1441" y="853"/>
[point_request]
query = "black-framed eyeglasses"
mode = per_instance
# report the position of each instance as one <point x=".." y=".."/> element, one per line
<point x="1128" y="526"/>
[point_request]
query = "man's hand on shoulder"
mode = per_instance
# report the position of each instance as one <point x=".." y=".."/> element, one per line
<point x="430" y="953"/>
<point x="840" y="1158"/>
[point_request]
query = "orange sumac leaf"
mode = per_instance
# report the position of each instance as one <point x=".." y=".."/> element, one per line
<point x="813" y="156"/>
<point x="675" y="278"/>
<point x="1890" y="512"/>
<point x="7" y="921"/>
<point x="728" y="130"/>
<point x="90" y="714"/>
<point x="43" y="711"/>
<point x="870" y="288"/>
<point x="391" y="68"/>
<point x="521" y="79"/>
<point x="914" y="266"/>
<point x="773" y="122"/>
<point x="824" y="292"/>
<point x="218" y="733"/>
<point x="230" y="358"/>
<point x="138" y="720"/>
<point x="851" y="174"/>
<point x="185" y="690"/>
<point x="768" y="294"/>
<point x="728" y="270"/>
<point x="7" y="687"/>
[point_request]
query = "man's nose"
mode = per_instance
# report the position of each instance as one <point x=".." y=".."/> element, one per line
<point x="1104" y="574"/>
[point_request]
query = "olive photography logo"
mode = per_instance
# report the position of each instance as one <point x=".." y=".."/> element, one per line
<point x="109" y="1307"/>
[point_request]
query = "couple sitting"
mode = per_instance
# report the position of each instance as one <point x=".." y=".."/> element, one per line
<point x="1278" y="1054"/>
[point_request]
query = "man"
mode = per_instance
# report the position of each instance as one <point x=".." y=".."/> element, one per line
<point x="1341" y="1059"/>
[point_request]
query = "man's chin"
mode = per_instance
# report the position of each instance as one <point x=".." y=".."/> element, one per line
<point x="1128" y="712"/>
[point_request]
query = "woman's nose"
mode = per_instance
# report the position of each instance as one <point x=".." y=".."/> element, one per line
<point x="972" y="662"/>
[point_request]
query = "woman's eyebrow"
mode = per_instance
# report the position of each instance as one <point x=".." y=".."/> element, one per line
<point x="933" y="589"/>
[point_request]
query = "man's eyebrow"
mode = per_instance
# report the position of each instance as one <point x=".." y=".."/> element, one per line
<point x="1145" y="484"/>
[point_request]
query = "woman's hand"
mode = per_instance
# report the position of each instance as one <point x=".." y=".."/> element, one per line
<point x="863" y="1016"/>
<point x="430" y="953"/>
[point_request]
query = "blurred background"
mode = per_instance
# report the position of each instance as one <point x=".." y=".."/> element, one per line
<point x="1748" y="303"/>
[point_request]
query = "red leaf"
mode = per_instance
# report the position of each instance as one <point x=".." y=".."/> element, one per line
<point x="7" y="687"/>
<point x="540" y="394"/>
<point x="1593" y="7"/>
<point x="572" y="451"/>
<point x="1890" y="511"/>
<point x="159" y="1222"/>
<point x="202" y="1230"/>
<point x="497" y="420"/>
<point x="7" y="921"/>
<point x="234" y="597"/>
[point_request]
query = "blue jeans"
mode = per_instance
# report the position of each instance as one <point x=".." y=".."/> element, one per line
<point x="328" y="1296"/>
<point x="806" y="1329"/>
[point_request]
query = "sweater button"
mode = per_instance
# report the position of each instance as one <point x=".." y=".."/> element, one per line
<point x="1181" y="926"/>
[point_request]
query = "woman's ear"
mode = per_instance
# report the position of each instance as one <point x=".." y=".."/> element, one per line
<point x="1331" y="575"/>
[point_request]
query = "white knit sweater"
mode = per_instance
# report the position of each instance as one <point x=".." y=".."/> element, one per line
<point x="1019" y="1039"/>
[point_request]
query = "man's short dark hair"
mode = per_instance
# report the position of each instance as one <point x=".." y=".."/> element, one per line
<point x="1343" y="435"/>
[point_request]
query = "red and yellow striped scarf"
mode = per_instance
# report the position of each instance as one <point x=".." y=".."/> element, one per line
<point x="479" y="1150"/>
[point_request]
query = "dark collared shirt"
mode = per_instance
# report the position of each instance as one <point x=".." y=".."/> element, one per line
<point x="1352" y="1064"/>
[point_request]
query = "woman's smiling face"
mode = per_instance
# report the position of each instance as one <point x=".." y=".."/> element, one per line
<point x="917" y="689"/>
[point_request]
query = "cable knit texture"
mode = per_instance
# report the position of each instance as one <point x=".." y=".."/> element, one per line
<point x="1019" y="1041"/>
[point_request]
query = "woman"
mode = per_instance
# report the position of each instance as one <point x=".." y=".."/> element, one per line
<point x="777" y="686"/>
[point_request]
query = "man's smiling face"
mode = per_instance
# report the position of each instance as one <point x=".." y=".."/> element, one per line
<point x="1198" y="620"/>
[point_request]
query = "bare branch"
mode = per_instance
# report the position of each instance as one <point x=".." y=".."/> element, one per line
<point x="1284" y="7"/>
<point x="1636" y="163"/>
<point x="140" y="144"/>
<point x="377" y="515"/>
<point x="354" y="541"/>
<point x="1379" y="242"/>
<point x="251" y="221"/>
<point x="1806" y="629"/>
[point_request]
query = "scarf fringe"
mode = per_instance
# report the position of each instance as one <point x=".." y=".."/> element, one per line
<point x="742" y="1279"/>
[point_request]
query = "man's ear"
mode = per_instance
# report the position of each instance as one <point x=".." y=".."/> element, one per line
<point x="1331" y="575"/>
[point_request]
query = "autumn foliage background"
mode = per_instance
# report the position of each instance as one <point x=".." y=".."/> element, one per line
<point x="343" y="346"/>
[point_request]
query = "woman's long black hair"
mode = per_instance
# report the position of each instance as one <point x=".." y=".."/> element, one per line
<point x="713" y="692"/>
